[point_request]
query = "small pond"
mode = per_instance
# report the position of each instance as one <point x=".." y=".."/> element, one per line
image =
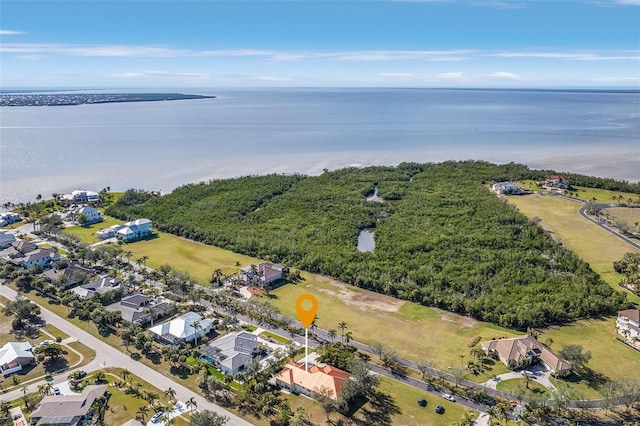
<point x="365" y="241"/>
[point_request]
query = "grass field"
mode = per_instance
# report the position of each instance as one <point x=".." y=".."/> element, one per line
<point x="513" y="385"/>
<point x="600" y="250"/>
<point x="414" y="331"/>
<point x="88" y="233"/>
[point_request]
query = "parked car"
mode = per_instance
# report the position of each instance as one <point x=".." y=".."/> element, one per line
<point x="81" y="374"/>
<point x="448" y="397"/>
<point x="422" y="402"/>
<point x="157" y="417"/>
<point x="56" y="391"/>
<point x="440" y="409"/>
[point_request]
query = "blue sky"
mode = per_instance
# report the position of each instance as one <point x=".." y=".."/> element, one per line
<point x="429" y="43"/>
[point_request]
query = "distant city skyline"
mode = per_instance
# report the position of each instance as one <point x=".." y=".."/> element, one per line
<point x="428" y="43"/>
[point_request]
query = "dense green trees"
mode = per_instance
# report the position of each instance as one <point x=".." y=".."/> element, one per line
<point x="442" y="239"/>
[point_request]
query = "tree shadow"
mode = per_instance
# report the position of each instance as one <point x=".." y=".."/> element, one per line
<point x="55" y="365"/>
<point x="381" y="409"/>
<point x="180" y="372"/>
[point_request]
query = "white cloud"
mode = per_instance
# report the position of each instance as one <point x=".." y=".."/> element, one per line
<point x="624" y="55"/>
<point x="11" y="32"/>
<point x="451" y="76"/>
<point x="31" y="57"/>
<point x="504" y="75"/>
<point x="628" y="2"/>
<point x="619" y="79"/>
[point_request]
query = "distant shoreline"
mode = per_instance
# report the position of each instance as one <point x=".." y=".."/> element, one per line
<point x="66" y="99"/>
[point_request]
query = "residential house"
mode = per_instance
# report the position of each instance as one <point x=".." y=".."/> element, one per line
<point x="506" y="188"/>
<point x="67" y="410"/>
<point x="232" y="352"/>
<point x="74" y="274"/>
<point x="6" y="240"/>
<point x="40" y="256"/>
<point x="520" y="352"/>
<point x="101" y="285"/>
<point x="80" y="196"/>
<point x="294" y="378"/>
<point x="130" y="231"/>
<point x="14" y="356"/>
<point x="185" y="328"/>
<point x="628" y="324"/>
<point x="137" y="308"/>
<point x="91" y="215"/>
<point x="9" y="218"/>
<point x="557" y="182"/>
<point x="23" y="246"/>
<point x="262" y="274"/>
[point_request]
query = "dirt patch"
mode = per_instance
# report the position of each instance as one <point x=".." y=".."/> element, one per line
<point x="363" y="301"/>
<point x="466" y="322"/>
<point x="631" y="215"/>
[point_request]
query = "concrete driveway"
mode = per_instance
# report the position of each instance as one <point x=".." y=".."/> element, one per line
<point x="540" y="375"/>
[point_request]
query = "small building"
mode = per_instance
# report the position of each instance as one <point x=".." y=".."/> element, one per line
<point x="137" y="308"/>
<point x="262" y="274"/>
<point x="14" y="356"/>
<point x="101" y="285"/>
<point x="67" y="410"/>
<point x="294" y="378"/>
<point x="23" y="246"/>
<point x="628" y="324"/>
<point x="90" y="214"/>
<point x="232" y="353"/>
<point x="520" y="352"/>
<point x="185" y="328"/>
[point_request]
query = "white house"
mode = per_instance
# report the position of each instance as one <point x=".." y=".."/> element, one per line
<point x="91" y="214"/>
<point x="506" y="188"/>
<point x="185" y="328"/>
<point x="628" y="324"/>
<point x="101" y="285"/>
<point x="80" y="196"/>
<point x="232" y="352"/>
<point x="15" y="355"/>
<point x="130" y="231"/>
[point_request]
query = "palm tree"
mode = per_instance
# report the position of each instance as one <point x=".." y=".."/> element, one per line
<point x="196" y="325"/>
<point x="342" y="326"/>
<point x="332" y="334"/>
<point x="142" y="412"/>
<point x="170" y="393"/>
<point x="124" y="373"/>
<point x="347" y="336"/>
<point x="191" y="403"/>
<point x="216" y="277"/>
<point x="150" y="312"/>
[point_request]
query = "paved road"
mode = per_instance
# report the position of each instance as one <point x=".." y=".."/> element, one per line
<point x="604" y="226"/>
<point x="107" y="356"/>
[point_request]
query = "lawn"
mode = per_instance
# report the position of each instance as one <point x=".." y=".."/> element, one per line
<point x="88" y="233"/>
<point x="416" y="332"/>
<point x="512" y="386"/>
<point x="600" y="250"/>
<point x="275" y="337"/>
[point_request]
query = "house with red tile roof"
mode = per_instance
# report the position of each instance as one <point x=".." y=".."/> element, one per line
<point x="294" y="378"/>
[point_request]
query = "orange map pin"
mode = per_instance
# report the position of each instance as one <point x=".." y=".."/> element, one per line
<point x="306" y="315"/>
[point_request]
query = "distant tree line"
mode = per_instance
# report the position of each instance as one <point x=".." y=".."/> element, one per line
<point x="442" y="239"/>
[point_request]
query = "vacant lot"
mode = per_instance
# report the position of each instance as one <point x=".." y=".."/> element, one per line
<point x="631" y="215"/>
<point x="415" y="331"/>
<point x="600" y="250"/>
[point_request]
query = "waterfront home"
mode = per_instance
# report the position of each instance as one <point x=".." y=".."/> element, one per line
<point x="262" y="274"/>
<point x="628" y="324"/>
<point x="9" y="218"/>
<point x="67" y="410"/>
<point x="294" y="378"/>
<point x="232" y="352"/>
<point x="6" y="240"/>
<point x="15" y="355"/>
<point x="185" y="328"/>
<point x="557" y="182"/>
<point x="520" y="352"/>
<point x="80" y="196"/>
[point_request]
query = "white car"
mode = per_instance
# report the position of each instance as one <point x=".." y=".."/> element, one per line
<point x="156" y="418"/>
<point x="448" y="397"/>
